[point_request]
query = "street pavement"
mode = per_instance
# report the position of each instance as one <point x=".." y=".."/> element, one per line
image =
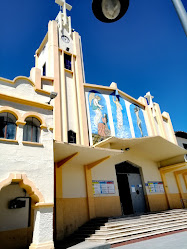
<point x="172" y="241"/>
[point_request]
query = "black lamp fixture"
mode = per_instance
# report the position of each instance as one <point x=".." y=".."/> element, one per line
<point x="109" y="10"/>
<point x="52" y="96"/>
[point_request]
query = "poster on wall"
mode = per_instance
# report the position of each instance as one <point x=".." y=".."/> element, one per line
<point x="155" y="187"/>
<point x="103" y="187"/>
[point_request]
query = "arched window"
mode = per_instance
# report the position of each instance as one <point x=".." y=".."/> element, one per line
<point x="31" y="131"/>
<point x="7" y="125"/>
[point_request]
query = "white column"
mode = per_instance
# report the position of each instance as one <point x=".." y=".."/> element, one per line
<point x="43" y="228"/>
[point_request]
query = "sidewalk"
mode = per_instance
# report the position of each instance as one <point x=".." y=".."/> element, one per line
<point x="172" y="241"/>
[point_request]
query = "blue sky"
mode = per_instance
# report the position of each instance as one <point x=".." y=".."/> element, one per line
<point x="144" y="51"/>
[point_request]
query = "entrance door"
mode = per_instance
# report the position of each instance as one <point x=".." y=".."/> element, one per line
<point x="137" y="194"/>
<point x="130" y="188"/>
<point x="124" y="193"/>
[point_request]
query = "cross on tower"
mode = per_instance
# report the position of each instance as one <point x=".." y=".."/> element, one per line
<point x="65" y="7"/>
<point x="149" y="98"/>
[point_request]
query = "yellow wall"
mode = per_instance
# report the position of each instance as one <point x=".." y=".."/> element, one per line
<point x="16" y="239"/>
<point x="70" y="214"/>
<point x="171" y="181"/>
<point x="183" y="184"/>
<point x="107" y="206"/>
<point x="174" y="200"/>
<point x="71" y="202"/>
<point x="157" y="202"/>
<point x="175" y="185"/>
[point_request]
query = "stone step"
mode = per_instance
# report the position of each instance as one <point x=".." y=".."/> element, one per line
<point x="139" y="236"/>
<point x="111" y="219"/>
<point x="139" y="220"/>
<point x="140" y="223"/>
<point x="143" y="217"/>
<point x="128" y="227"/>
<point x="125" y="229"/>
<point x="123" y="233"/>
<point x="118" y="239"/>
<point x="103" y="222"/>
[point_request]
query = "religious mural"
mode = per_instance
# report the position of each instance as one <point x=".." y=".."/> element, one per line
<point x="98" y="116"/>
<point x="140" y="129"/>
<point x="120" y="118"/>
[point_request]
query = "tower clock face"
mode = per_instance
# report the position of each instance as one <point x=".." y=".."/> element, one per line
<point x="65" y="39"/>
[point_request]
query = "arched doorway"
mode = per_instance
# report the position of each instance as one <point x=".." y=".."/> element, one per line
<point x="17" y="196"/>
<point x="130" y="188"/>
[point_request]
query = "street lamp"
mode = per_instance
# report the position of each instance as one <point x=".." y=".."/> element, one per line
<point x="109" y="10"/>
<point x="112" y="10"/>
<point x="182" y="14"/>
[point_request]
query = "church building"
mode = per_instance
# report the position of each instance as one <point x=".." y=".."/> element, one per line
<point x="73" y="151"/>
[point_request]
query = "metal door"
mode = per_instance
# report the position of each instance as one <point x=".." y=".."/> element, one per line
<point x="137" y="193"/>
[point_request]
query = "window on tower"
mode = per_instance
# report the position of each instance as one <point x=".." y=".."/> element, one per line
<point x="67" y="61"/>
<point x="44" y="69"/>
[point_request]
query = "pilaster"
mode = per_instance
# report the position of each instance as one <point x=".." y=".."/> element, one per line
<point x="54" y="71"/>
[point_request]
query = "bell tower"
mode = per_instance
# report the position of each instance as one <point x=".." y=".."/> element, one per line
<point x="59" y="59"/>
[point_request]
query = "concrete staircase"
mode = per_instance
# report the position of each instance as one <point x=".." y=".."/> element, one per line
<point x="117" y="230"/>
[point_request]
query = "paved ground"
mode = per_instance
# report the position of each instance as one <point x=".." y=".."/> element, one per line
<point x="172" y="241"/>
<point x="82" y="245"/>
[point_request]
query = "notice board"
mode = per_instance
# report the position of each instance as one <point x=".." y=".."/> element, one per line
<point x="103" y="187"/>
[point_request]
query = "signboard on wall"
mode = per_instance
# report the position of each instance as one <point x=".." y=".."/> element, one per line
<point x="103" y="187"/>
<point x="155" y="187"/>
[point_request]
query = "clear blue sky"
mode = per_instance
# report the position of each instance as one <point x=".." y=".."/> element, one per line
<point x="144" y="51"/>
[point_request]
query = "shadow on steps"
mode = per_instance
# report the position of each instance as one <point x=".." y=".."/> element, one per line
<point x="81" y="234"/>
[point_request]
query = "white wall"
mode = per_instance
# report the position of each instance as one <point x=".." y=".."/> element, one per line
<point x="34" y="161"/>
<point x="11" y="219"/>
<point x="22" y="89"/>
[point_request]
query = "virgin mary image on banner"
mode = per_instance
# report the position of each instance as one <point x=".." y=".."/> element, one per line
<point x="120" y="118"/>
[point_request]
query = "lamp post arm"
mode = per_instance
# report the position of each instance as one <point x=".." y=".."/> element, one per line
<point x="182" y="14"/>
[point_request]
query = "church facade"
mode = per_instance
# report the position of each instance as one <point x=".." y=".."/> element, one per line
<point x="93" y="151"/>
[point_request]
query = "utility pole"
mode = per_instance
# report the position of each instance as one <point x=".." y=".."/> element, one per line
<point x="182" y="14"/>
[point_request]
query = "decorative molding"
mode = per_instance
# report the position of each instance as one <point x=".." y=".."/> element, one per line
<point x="107" y="88"/>
<point x="25" y="183"/>
<point x="10" y="110"/>
<point x="8" y="140"/>
<point x="34" y="115"/>
<point x="25" y="102"/>
<point x="32" y="143"/>
<point x="18" y="122"/>
<point x="43" y="205"/>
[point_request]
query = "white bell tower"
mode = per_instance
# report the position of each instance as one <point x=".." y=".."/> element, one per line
<point x="71" y="78"/>
<point x="59" y="67"/>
